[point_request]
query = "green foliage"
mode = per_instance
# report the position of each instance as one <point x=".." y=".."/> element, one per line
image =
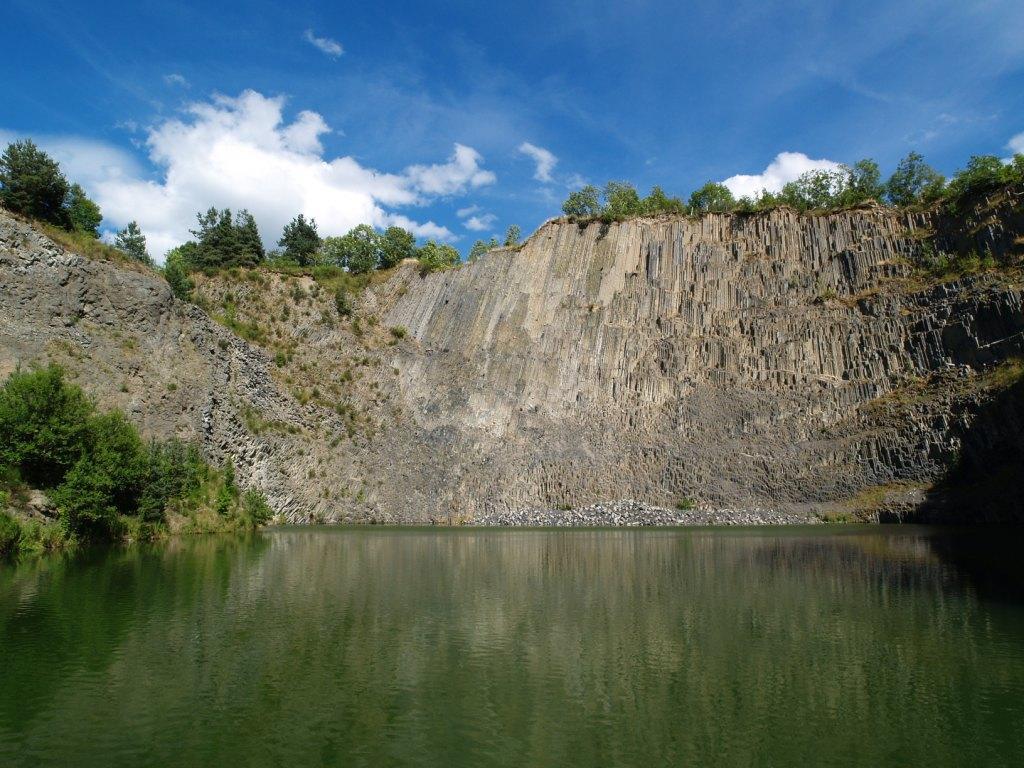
<point x="83" y="214"/>
<point x="10" y="535"/>
<point x="176" y="271"/>
<point x="228" y="492"/>
<point x="399" y="331"/>
<point x="814" y="190"/>
<point x="359" y="249"/>
<point x="480" y="248"/>
<point x="44" y="423"/>
<point x="32" y="184"/>
<point x="94" y="466"/>
<point x="174" y="470"/>
<point x="914" y="182"/>
<point x="395" y="245"/>
<point x="983" y="174"/>
<point x="512" y="235"/>
<point x="343" y="301"/>
<point x="254" y="510"/>
<point x="300" y="241"/>
<point x="131" y="241"/>
<point x="620" y="201"/>
<point x="658" y="202"/>
<point x="434" y="257"/>
<point x="225" y="241"/>
<point x="863" y="183"/>
<point x="583" y="203"/>
<point x="712" y="198"/>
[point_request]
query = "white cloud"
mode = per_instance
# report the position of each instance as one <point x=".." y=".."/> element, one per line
<point x="324" y="44"/>
<point x="480" y="223"/>
<point x="786" y="167"/>
<point x="1016" y="144"/>
<point x="544" y="159"/>
<point x="467" y="211"/>
<point x="238" y="152"/>
<point x="175" y="79"/>
<point x="461" y="171"/>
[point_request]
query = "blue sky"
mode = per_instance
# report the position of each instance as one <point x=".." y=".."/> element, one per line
<point x="449" y="116"/>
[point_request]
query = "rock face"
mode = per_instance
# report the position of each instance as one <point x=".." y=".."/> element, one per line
<point x="778" y="363"/>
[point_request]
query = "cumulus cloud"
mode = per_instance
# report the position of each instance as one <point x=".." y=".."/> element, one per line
<point x="544" y="159"/>
<point x="461" y="171"/>
<point x="474" y="220"/>
<point x="480" y="223"/>
<point x="239" y="152"/>
<point x="324" y="44"/>
<point x="1016" y="144"/>
<point x="786" y="167"/>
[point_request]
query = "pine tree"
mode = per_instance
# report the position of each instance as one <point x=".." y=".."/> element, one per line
<point x="131" y="241"/>
<point x="31" y="183"/>
<point x="300" y="240"/>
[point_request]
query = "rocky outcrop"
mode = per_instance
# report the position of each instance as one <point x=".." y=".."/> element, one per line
<point x="782" y="362"/>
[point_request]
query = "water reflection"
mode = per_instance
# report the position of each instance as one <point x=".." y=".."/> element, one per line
<point x="470" y="647"/>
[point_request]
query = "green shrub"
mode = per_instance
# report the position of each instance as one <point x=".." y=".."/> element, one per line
<point x="343" y="302"/>
<point x="44" y="423"/>
<point x="10" y="535"/>
<point x="255" y="511"/>
<point x="399" y="332"/>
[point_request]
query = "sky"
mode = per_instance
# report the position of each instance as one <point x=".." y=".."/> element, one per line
<point x="458" y="119"/>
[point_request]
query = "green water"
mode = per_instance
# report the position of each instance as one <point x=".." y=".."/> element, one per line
<point x="375" y="647"/>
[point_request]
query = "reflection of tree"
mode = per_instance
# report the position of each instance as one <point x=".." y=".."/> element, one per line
<point x="469" y="647"/>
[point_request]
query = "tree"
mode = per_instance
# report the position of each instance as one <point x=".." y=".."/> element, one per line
<point x="512" y="235"/>
<point x="479" y="249"/>
<point x="396" y="244"/>
<point x="358" y="251"/>
<point x="712" y="198"/>
<point x="300" y="240"/>
<point x="176" y="264"/>
<point x="583" y="203"/>
<point x="658" y="202"/>
<point x="863" y="182"/>
<point x="131" y="241"/>
<point x="31" y="183"/>
<point x="83" y="214"/>
<point x="819" y="189"/>
<point x="983" y="172"/>
<point x="914" y="182"/>
<point x="44" y="423"/>
<point x="620" y="201"/>
<point x="434" y="257"/>
<point x="223" y="241"/>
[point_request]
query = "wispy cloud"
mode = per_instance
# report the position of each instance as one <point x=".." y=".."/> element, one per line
<point x="324" y="44"/>
<point x="176" y="79"/>
<point x="1016" y="144"/>
<point x="545" y="161"/>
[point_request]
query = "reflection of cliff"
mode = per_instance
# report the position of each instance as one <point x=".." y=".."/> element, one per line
<point x="557" y="648"/>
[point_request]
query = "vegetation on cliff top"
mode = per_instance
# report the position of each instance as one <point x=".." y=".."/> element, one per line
<point x="912" y="184"/>
<point x="104" y="481"/>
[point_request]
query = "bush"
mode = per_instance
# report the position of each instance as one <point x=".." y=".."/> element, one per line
<point x="343" y="302"/>
<point x="45" y="425"/>
<point x="10" y="535"/>
<point x="255" y="511"/>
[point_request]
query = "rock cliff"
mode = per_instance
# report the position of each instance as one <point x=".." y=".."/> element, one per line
<point x="777" y="361"/>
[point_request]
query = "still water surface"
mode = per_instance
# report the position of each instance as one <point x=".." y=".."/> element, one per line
<point x="375" y="647"/>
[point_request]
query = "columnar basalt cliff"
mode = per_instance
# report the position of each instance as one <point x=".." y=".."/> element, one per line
<point x="777" y="361"/>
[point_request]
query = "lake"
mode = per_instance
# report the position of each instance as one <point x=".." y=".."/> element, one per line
<point x="821" y="646"/>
